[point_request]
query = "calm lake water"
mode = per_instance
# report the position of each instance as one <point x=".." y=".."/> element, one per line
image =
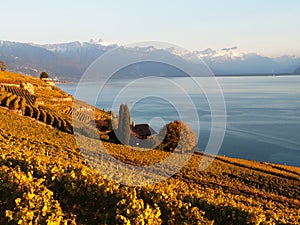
<point x="263" y="112"/>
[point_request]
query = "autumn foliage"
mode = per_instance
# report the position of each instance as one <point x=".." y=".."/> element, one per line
<point x="177" y="135"/>
<point x="45" y="178"/>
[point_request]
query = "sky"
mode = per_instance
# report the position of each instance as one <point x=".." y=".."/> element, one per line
<point x="267" y="27"/>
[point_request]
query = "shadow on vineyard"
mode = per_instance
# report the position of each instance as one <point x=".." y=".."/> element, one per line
<point x="44" y="179"/>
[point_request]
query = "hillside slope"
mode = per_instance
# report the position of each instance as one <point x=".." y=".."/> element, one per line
<point x="45" y="179"/>
<point x="43" y="101"/>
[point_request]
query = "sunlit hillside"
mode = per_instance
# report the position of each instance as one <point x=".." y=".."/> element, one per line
<point x="46" y="179"/>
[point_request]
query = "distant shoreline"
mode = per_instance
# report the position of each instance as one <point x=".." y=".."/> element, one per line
<point x="62" y="82"/>
<point x="218" y="75"/>
<point x="257" y="75"/>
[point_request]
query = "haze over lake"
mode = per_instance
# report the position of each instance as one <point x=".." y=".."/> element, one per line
<point x="263" y="112"/>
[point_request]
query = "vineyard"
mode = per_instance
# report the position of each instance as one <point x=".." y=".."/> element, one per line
<point x="48" y="104"/>
<point x="47" y="178"/>
<point x="30" y="99"/>
<point x="16" y="101"/>
<point x="49" y="117"/>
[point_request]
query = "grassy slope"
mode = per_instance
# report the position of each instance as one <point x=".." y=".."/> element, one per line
<point x="44" y="178"/>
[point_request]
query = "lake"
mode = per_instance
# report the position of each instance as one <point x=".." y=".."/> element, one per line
<point x="263" y="112"/>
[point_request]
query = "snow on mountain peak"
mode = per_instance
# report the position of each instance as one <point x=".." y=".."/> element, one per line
<point x="103" y="43"/>
<point x="232" y="53"/>
<point x="223" y="54"/>
<point x="178" y="51"/>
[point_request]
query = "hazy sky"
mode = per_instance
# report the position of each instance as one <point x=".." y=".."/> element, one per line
<point x="268" y="27"/>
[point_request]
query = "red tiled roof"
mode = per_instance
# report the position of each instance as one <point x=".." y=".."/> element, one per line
<point x="143" y="130"/>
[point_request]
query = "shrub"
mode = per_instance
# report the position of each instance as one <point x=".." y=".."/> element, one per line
<point x="8" y="100"/>
<point x="14" y="104"/>
<point x="28" y="111"/>
<point x="178" y="135"/>
<point x="43" y="116"/>
<point x="57" y="122"/>
<point x="2" y="66"/>
<point x="49" y="119"/>
<point x="22" y="105"/>
<point x="69" y="127"/>
<point x="44" y="75"/>
<point x="36" y="113"/>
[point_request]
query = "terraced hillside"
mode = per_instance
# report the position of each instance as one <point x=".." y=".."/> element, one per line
<point x="47" y="103"/>
<point x="45" y="179"/>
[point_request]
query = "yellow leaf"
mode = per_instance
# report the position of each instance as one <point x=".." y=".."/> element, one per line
<point x="73" y="175"/>
<point x="17" y="201"/>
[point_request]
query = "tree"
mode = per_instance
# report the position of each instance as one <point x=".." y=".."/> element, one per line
<point x="124" y="132"/>
<point x="44" y="75"/>
<point x="2" y="66"/>
<point x="177" y="134"/>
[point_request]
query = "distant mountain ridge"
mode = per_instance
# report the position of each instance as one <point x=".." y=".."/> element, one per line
<point x="66" y="60"/>
<point x="70" y="60"/>
<point x="297" y="71"/>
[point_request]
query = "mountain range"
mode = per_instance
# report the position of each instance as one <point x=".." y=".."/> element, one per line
<point x="70" y="60"/>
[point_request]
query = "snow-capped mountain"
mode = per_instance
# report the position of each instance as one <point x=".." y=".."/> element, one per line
<point x="221" y="55"/>
<point x="232" y="61"/>
<point x="64" y="60"/>
<point x="70" y="60"/>
<point x="63" y="48"/>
